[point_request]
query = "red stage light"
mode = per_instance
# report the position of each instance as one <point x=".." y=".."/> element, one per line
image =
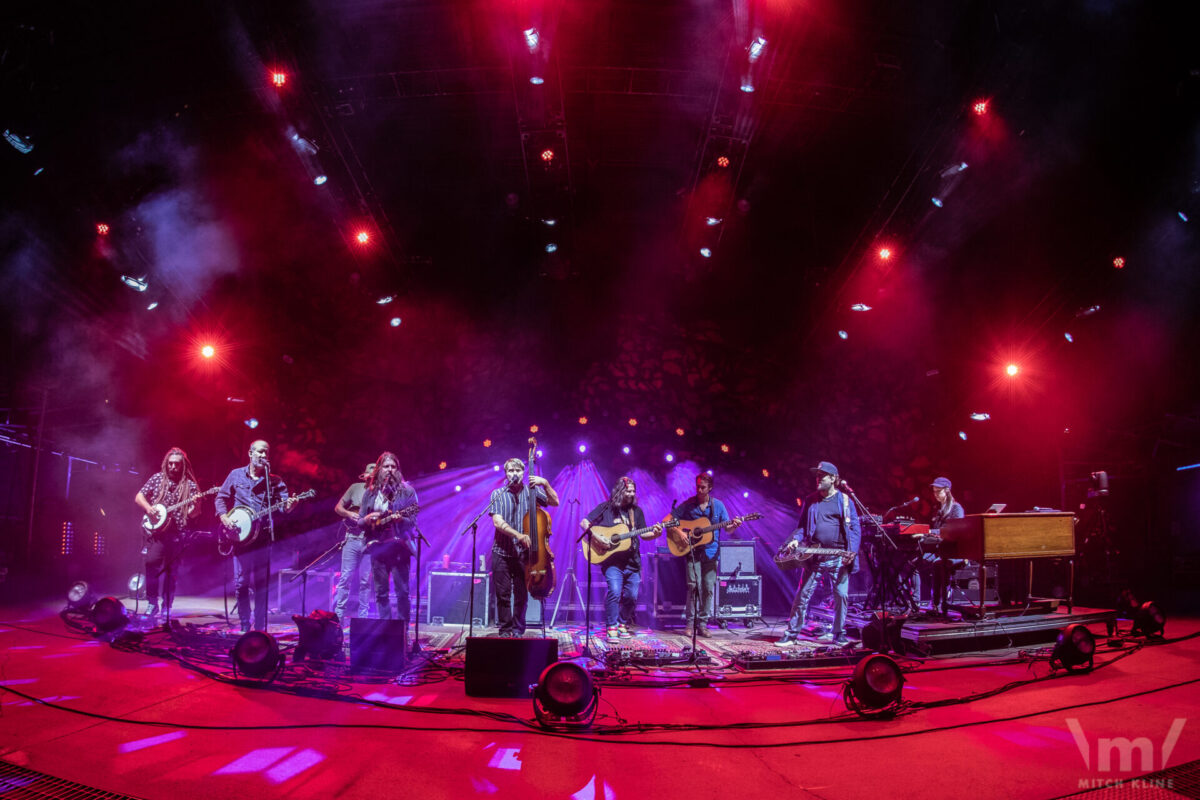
<point x="1012" y="370"/>
<point x="980" y="107"/>
<point x="487" y="442"/>
<point x="208" y="351"/>
<point x="441" y="465"/>
<point x="278" y="78"/>
<point x="362" y="237"/>
<point x="884" y="253"/>
<point x="102" y="228"/>
<point x="1119" y="262"/>
<point x="766" y="473"/>
<point x="533" y="428"/>
<point x="724" y="448"/>
<point x="679" y="431"/>
<point x="633" y="422"/>
<point x="583" y="420"/>
<point x="547" y="155"/>
<point x="722" y="161"/>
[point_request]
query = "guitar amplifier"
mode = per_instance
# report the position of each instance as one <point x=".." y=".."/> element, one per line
<point x="448" y="601"/>
<point x="738" y="598"/>
<point x="964" y="585"/>
<point x="317" y="593"/>
<point x="736" y="555"/>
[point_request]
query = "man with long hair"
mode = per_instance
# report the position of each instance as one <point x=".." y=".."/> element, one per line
<point x="509" y="505"/>
<point x="945" y="508"/>
<point x="390" y="537"/>
<point x="356" y="563"/>
<point x="623" y="570"/>
<point x="174" y="483"/>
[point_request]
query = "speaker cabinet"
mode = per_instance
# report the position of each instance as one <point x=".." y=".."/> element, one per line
<point x="449" y="600"/>
<point x="964" y="585"/>
<point x="295" y="595"/>
<point x="506" y="667"/>
<point x="378" y="644"/>
<point x="736" y="556"/>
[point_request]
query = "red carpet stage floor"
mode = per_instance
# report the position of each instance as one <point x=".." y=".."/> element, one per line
<point x="160" y="716"/>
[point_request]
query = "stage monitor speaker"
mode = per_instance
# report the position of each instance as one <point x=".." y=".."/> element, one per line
<point x="506" y="667"/>
<point x="884" y="633"/>
<point x="736" y="555"/>
<point x="379" y="644"/>
<point x="317" y="592"/>
<point x="964" y="585"/>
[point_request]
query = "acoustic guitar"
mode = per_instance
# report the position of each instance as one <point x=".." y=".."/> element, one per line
<point x="688" y="534"/>
<point x="602" y="543"/>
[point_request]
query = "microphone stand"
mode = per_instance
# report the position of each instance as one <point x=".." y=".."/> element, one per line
<point x="303" y="573"/>
<point x="270" y="548"/>
<point x="586" y="650"/>
<point x="416" y="645"/>
<point x="473" y="528"/>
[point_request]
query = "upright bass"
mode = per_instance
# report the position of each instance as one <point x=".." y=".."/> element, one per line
<point x="539" y="561"/>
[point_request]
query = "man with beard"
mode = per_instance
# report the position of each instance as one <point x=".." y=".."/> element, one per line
<point x="171" y="485"/>
<point x="623" y="570"/>
<point x="702" y="562"/>
<point x="254" y="487"/>
<point x="356" y="564"/>
<point x="391" y="540"/>
<point x="509" y="505"/>
<point x="830" y="522"/>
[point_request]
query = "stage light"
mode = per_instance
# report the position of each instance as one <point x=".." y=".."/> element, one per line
<point x="551" y="247"/>
<point x="252" y="423"/>
<point x="539" y="453"/>
<point x="745" y="495"/>
<point x="679" y="431"/>
<point x="875" y="688"/>
<point x="1149" y="620"/>
<point x="320" y="180"/>
<point x="670" y="458"/>
<point x="108" y="615"/>
<point x="722" y="161"/>
<point x="583" y="448"/>
<point x="962" y="435"/>
<point x="724" y="448"/>
<point x="533" y="428"/>
<point x="980" y="416"/>
<point x="625" y="449"/>
<point x="536" y="81"/>
<point x="102" y="228"/>
<point x="304" y="146"/>
<point x="487" y="442"/>
<point x="442" y="465"/>
<point x="362" y="237"/>
<point x="937" y="201"/>
<point x="458" y="487"/>
<point x="550" y="222"/>
<point x="712" y="222"/>
<point x="633" y="422"/>
<point x="22" y="144"/>
<point x="547" y="155"/>
<point x="532" y="38"/>
<point x="954" y="169"/>
<point x="387" y="298"/>
<point x="747" y="87"/>
<point x="1075" y="649"/>
<point x="395" y="322"/>
<point x="1119" y="262"/>
<point x="583" y="420"/>
<point x="885" y="253"/>
<point x="208" y="351"/>
<point x="1068" y="337"/>
<point x="137" y="585"/>
<point x="137" y="284"/>
<point x="256" y="655"/>
<point x="564" y="697"/>
<point x="860" y="307"/>
<point x="80" y="596"/>
<point x="843" y="335"/>
<point x="152" y="306"/>
<point x="707" y="253"/>
<point x="1183" y="216"/>
<point x="1011" y="370"/>
<point x="279" y="79"/>
<point x="495" y="467"/>
<point x="766" y="473"/>
<point x="755" y="50"/>
<point x="980" y="107"/>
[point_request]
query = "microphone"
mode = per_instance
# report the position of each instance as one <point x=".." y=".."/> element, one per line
<point x="845" y="487"/>
<point x="737" y="571"/>
<point x="912" y="502"/>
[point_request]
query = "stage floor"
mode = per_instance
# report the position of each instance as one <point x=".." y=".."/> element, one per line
<point x="157" y="715"/>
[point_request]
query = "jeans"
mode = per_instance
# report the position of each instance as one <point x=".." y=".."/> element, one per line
<point x="702" y="575"/>
<point x="162" y="560"/>
<point x="386" y="570"/>
<point x="839" y="573"/>
<point x="620" y="601"/>
<point x="251" y="572"/>
<point x="354" y="560"/>
<point x="512" y="595"/>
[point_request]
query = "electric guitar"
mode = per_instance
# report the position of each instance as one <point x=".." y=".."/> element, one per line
<point x="602" y="543"/>
<point x="246" y="521"/>
<point x="374" y="531"/>
<point x="685" y="536"/>
<point x="162" y="513"/>
<point x="791" y="555"/>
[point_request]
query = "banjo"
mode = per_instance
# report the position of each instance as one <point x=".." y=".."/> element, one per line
<point x="161" y="512"/>
<point x="245" y="520"/>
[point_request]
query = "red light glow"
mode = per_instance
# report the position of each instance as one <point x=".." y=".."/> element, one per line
<point x="362" y="237"/>
<point x="208" y="351"/>
<point x="487" y="442"/>
<point x="679" y="431"/>
<point x="533" y="428"/>
<point x="884" y="253"/>
<point x="441" y="465"/>
<point x="1011" y="370"/>
<point x="980" y="107"/>
<point x="547" y="155"/>
<point x="722" y="161"/>
<point x="583" y="420"/>
<point x="102" y="228"/>
<point x="279" y="78"/>
<point x="724" y="448"/>
<point x="1119" y="262"/>
<point x="766" y="473"/>
<point x="633" y="422"/>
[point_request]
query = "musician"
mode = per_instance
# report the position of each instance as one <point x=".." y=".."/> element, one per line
<point x="945" y="509"/>
<point x="171" y="485"/>
<point x="622" y="571"/>
<point x="248" y="486"/>
<point x="830" y="521"/>
<point x="392" y="547"/>
<point x="509" y="505"/>
<point x="356" y="563"/>
<point x="702" y="563"/>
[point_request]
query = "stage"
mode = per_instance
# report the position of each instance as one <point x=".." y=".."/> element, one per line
<point x="157" y="714"/>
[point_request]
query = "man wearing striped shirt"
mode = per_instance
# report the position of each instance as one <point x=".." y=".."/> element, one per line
<point x="509" y="506"/>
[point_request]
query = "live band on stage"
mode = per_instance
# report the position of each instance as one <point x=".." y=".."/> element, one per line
<point x="911" y="564"/>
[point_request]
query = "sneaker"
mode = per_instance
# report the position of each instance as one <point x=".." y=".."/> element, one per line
<point x="623" y="632"/>
<point x="613" y="635"/>
<point x="826" y="637"/>
<point x="841" y="641"/>
<point x="787" y="641"/>
<point x="702" y="631"/>
<point x="152" y="610"/>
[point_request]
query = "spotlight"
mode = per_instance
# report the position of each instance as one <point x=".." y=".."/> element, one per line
<point x="625" y="449"/>
<point x="583" y="448"/>
<point x="583" y="420"/>
<point x="547" y="155"/>
<point x="102" y="228"/>
<point x="1183" y="216"/>
<point x="962" y="435"/>
<point x="320" y="180"/>
<point x="533" y="429"/>
<point x="981" y="416"/>
<point x="874" y="691"/>
<point x="633" y="422"/>
<point x="766" y="473"/>
<point x="22" y="144"/>
<point x="362" y="237"/>
<point x="80" y="596"/>
<point x="724" y="448"/>
<point x="1075" y="649"/>
<point x="706" y="252"/>
<point x="256" y="655"/>
<point x="564" y="697"/>
<point x="550" y="222"/>
<point x="755" y="50"/>
<point x="551" y="247"/>
<point x="860" y="307"/>
<point x="843" y="335"/>
<point x="884" y="253"/>
<point x="1149" y="620"/>
<point x="152" y="306"/>
<point x="745" y="495"/>
<point x="712" y="222"/>
<point x="1011" y="370"/>
<point x="722" y="161"/>
<point x="279" y="79"/>
<point x="387" y="298"/>
<point x="980" y="108"/>
<point x="487" y="442"/>
<point x="532" y="38"/>
<point x="208" y="351"/>
<point x="954" y="169"/>
<point x="536" y="81"/>
<point x="458" y="487"/>
<point x="670" y="457"/>
<point x="679" y="431"/>
<point x="1119" y="263"/>
<point x="1087" y="312"/>
<point x="395" y="322"/>
<point x="252" y="423"/>
<point x="108" y="614"/>
<point x="748" y="87"/>
<point x="442" y="465"/>
<point x="1068" y="337"/>
<point x="937" y="201"/>
<point x="137" y="284"/>
<point x="495" y="467"/>
<point x="137" y="585"/>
